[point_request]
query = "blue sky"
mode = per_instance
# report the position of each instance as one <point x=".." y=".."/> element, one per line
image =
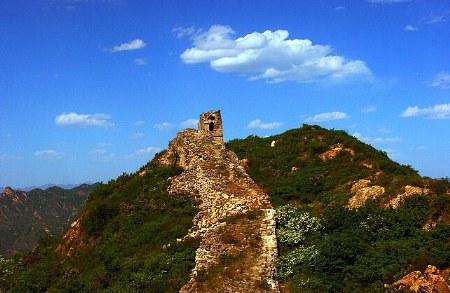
<point x="91" y="89"/>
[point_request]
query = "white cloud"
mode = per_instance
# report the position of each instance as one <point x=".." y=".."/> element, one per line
<point x="6" y="157"/>
<point x="258" y="124"/>
<point x="101" y="155"/>
<point x="441" y="80"/>
<point x="270" y="56"/>
<point x="137" y="135"/>
<point x="186" y="31"/>
<point x="140" y="61"/>
<point x="139" y="123"/>
<point x="411" y="28"/>
<point x="440" y="111"/>
<point x="164" y="126"/>
<point x="98" y="120"/>
<point x="377" y="140"/>
<point x="339" y="8"/>
<point x="329" y="116"/>
<point x="147" y="152"/>
<point x="369" y="109"/>
<point x="48" y="154"/>
<point x="189" y="123"/>
<point x="387" y="1"/>
<point x="131" y="45"/>
<point x="434" y="19"/>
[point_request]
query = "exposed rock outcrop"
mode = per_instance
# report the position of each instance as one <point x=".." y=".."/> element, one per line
<point x="334" y="151"/>
<point x="432" y="280"/>
<point x="363" y="194"/>
<point x="235" y="223"/>
<point x="409" y="191"/>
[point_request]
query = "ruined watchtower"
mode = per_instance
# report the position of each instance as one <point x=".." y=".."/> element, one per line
<point x="211" y="123"/>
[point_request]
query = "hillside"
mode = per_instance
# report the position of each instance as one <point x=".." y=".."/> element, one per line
<point x="26" y="216"/>
<point x="348" y="219"/>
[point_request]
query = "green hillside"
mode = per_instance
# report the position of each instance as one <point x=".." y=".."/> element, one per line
<point x="127" y="241"/>
<point x="26" y="216"/>
<point x="131" y="226"/>
<point x="326" y="247"/>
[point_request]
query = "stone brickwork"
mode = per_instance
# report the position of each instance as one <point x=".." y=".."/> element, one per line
<point x="235" y="223"/>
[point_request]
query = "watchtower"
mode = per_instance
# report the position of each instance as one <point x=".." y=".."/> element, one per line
<point x="211" y="123"/>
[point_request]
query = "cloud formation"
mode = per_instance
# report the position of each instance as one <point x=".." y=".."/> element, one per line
<point x="189" y="123"/>
<point x="140" y="61"/>
<point x="270" y="56"/>
<point x="164" y="126"/>
<point x="187" y="31"/>
<point x="411" y="28"/>
<point x="48" y="154"/>
<point x="137" y="135"/>
<point x="369" y="109"/>
<point x="328" y="116"/>
<point x="139" y="123"/>
<point x="441" y="80"/>
<point x="258" y="124"/>
<point x="97" y="120"/>
<point x="377" y="140"/>
<point x="439" y="111"/>
<point x="131" y="45"/>
<point x="144" y="153"/>
<point x="387" y="1"/>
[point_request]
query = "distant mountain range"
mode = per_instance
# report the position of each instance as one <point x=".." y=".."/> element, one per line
<point x="46" y="186"/>
<point x="25" y="216"/>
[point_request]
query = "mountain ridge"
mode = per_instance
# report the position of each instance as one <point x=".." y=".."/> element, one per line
<point x="130" y="234"/>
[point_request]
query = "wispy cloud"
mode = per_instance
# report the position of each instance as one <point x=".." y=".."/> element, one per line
<point x="339" y="8"/>
<point x="189" y="123"/>
<point x="139" y="123"/>
<point x="6" y="157"/>
<point x="435" y="19"/>
<point x="258" y="124"/>
<point x="377" y="139"/>
<point x="440" y="111"/>
<point x="441" y="80"/>
<point x="270" y="56"/>
<point x="147" y="152"/>
<point x="101" y="155"/>
<point x="387" y="1"/>
<point x="164" y="126"/>
<point x="328" y="116"/>
<point x="135" y="44"/>
<point x="369" y="109"/>
<point x="185" y="31"/>
<point x="97" y="120"/>
<point x="48" y="154"/>
<point x="140" y="61"/>
<point x="411" y="28"/>
<point x="137" y="135"/>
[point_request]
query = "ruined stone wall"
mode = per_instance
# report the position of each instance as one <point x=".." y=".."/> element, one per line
<point x="235" y="223"/>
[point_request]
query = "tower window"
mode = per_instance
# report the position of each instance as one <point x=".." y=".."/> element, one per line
<point x="211" y="126"/>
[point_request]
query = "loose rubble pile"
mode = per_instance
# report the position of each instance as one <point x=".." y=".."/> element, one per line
<point x="235" y="223"/>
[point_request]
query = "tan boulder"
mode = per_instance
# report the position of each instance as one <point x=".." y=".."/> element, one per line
<point x="363" y="194"/>
<point x="432" y="280"/>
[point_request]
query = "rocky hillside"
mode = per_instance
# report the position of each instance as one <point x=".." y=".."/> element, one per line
<point x="349" y="219"/>
<point x="200" y="218"/>
<point x="26" y="216"/>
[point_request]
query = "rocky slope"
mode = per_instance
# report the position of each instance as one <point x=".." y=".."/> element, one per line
<point x="26" y="216"/>
<point x="235" y="223"/>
